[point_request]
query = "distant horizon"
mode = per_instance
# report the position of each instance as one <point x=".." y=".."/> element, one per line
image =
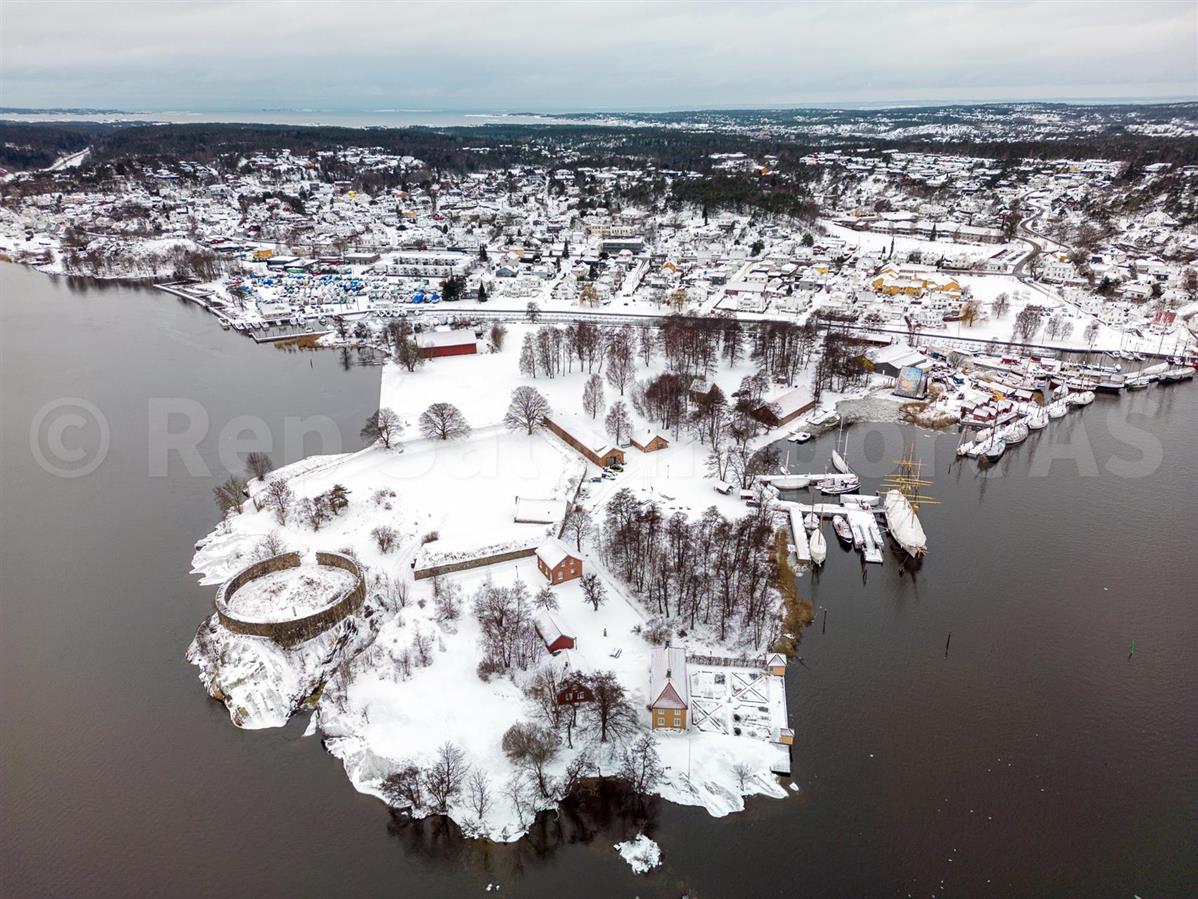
<point x="850" y="106"/>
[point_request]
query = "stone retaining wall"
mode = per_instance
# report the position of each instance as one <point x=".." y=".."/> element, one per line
<point x="296" y="630"/>
<point x="450" y="567"/>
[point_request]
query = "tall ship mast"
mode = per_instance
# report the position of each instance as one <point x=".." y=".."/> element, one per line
<point x="901" y="502"/>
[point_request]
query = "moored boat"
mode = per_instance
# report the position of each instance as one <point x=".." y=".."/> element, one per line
<point x="1175" y="374"/>
<point x="1037" y="418"/>
<point x="1015" y="433"/>
<point x="995" y="448"/>
<point x="818" y="546"/>
<point x="844" y="532"/>
<point x="1081" y="398"/>
<point x="834" y="484"/>
<point x="903" y="524"/>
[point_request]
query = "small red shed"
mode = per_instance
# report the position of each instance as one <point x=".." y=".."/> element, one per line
<point x="551" y="632"/>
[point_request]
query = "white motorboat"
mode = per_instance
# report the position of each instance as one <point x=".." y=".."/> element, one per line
<point x="1081" y="398"/>
<point x="844" y="532"/>
<point x="834" y="484"/>
<point x="798" y="436"/>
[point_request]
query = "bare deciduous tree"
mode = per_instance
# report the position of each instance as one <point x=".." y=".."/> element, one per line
<point x="444" y="777"/>
<point x="592" y="396"/>
<point x="383" y="426"/>
<point x="742" y="773"/>
<point x="407" y="353"/>
<point x="278" y="498"/>
<point x="229" y="495"/>
<point x="611" y="714"/>
<point x="258" y="465"/>
<point x="532" y="747"/>
<point x="478" y="786"/>
<point x="593" y="590"/>
<point x="443" y="421"/>
<point x="385" y="537"/>
<point x="527" y="410"/>
<point x="1000" y="305"/>
<point x="577" y="525"/>
<point x="545" y="599"/>
<point x="618" y="422"/>
<point x="405" y="787"/>
<point x="641" y="767"/>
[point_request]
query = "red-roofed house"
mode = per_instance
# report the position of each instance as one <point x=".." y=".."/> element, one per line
<point x="668" y="688"/>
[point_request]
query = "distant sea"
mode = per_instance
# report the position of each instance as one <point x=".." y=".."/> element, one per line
<point x="381" y="118"/>
<point x="441" y="118"/>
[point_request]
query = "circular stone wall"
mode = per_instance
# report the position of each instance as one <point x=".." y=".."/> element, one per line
<point x="290" y="631"/>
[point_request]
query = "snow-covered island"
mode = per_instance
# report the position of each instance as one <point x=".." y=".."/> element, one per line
<point x="553" y="589"/>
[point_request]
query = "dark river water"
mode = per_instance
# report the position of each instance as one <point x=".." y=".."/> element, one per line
<point x="1038" y="757"/>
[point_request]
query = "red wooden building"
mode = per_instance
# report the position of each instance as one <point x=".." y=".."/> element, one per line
<point x="551" y="632"/>
<point x="557" y="563"/>
<point x="446" y="343"/>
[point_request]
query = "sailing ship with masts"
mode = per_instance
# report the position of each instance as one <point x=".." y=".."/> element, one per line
<point x="902" y="501"/>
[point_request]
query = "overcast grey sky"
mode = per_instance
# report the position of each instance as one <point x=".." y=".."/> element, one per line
<point x="584" y="56"/>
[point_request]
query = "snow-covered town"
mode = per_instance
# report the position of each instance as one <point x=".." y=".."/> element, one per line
<point x="924" y="245"/>
<point x="572" y="543"/>
<point x="603" y="449"/>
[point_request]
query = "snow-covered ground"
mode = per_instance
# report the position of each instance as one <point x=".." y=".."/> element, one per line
<point x="374" y="710"/>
